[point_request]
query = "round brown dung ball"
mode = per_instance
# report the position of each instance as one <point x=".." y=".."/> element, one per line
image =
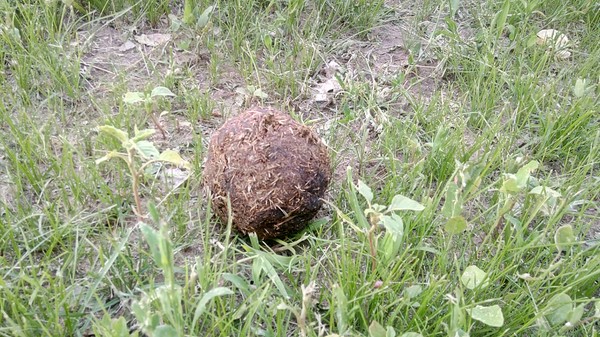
<point x="274" y="170"/>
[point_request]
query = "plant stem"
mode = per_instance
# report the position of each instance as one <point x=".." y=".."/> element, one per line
<point x="157" y="123"/>
<point x="508" y="206"/>
<point x="372" y="247"/>
<point x="155" y="120"/>
<point x="135" y="183"/>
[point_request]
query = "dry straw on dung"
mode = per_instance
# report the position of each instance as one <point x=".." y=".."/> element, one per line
<point x="274" y="170"/>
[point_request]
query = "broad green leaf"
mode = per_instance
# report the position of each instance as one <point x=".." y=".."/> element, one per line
<point x="260" y="93"/>
<point x="134" y="97"/>
<point x="579" y="88"/>
<point x="110" y="155"/>
<point x="428" y="249"/>
<point x="140" y="312"/>
<point x="392" y="240"/>
<point x="118" y="327"/>
<point x="390" y="246"/>
<point x="576" y="314"/>
<point x="184" y="44"/>
<point x="390" y="332"/>
<point x="152" y="169"/>
<point x="455" y="225"/>
<point x="257" y="270"/>
<point x="411" y="334"/>
<point x="532" y="40"/>
<point x="188" y="12"/>
<point x="168" y="296"/>
<point x="491" y="316"/>
<point x="453" y="204"/>
<point x="362" y="222"/>
<point x="413" y="291"/>
<point x="173" y="157"/>
<point x="166" y="253"/>
<point x="512" y="30"/>
<point x="153" y="321"/>
<point x="458" y="317"/>
<point x="119" y="134"/>
<point x="510" y="185"/>
<point x="473" y="277"/>
<point x="204" y="17"/>
<point x="365" y="191"/>
<point x="142" y="134"/>
<point x="564" y="238"/>
<point x="452" y="28"/>
<point x="175" y="22"/>
<point x="209" y="295"/>
<point x="376" y="330"/>
<point x="268" y="41"/>
<point x="153" y="212"/>
<point x="147" y="149"/>
<point x="153" y="239"/>
<point x="161" y="91"/>
<point x="122" y="329"/>
<point x="246" y="91"/>
<point x="106" y="320"/>
<point x="240" y="312"/>
<point x="558" y="309"/>
<point x="393" y="224"/>
<point x="524" y="173"/>
<point x="165" y="331"/>
<point x="402" y="203"/>
<point x="238" y="282"/>
<point x="314" y="224"/>
<point x="460" y="333"/>
<point x="454" y="7"/>
<point x="513" y="220"/>
<point x="547" y="191"/>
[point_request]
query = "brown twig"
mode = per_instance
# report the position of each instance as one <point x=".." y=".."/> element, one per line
<point x="372" y="248"/>
<point x="135" y="184"/>
<point x="158" y="126"/>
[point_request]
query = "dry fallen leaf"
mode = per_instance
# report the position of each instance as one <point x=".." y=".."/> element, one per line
<point x="331" y="69"/>
<point x="554" y="40"/>
<point x="174" y="177"/>
<point x="185" y="124"/>
<point x="126" y="46"/>
<point x="153" y="40"/>
<point x="329" y="87"/>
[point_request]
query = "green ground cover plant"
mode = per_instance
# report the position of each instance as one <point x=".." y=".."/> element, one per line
<point x="465" y="150"/>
